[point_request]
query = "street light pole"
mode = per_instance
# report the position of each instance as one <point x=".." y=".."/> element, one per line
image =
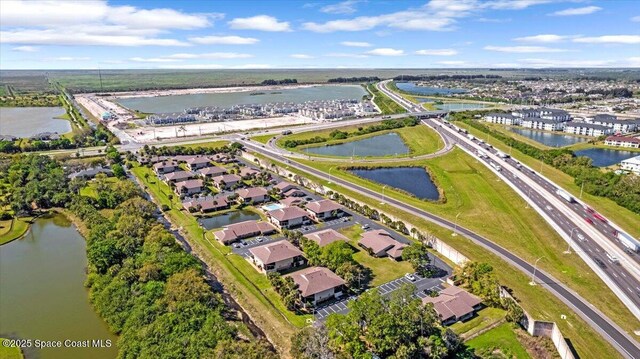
<point x="455" y="225"/>
<point x="383" y="187"/>
<point x="568" y="251"/>
<point x="330" y="169"/>
<point x="535" y="268"/>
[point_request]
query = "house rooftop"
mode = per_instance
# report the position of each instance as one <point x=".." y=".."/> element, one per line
<point x="315" y="280"/>
<point x="235" y="231"/>
<point x="252" y="192"/>
<point x="275" y="252"/>
<point x="287" y="213"/>
<point x="323" y="205"/>
<point x="453" y="302"/>
<point x="196" y="183"/>
<point x="326" y="237"/>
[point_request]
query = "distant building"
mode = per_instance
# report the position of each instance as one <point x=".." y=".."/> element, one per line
<point x="284" y="186"/>
<point x="198" y="162"/>
<point x="621" y="141"/>
<point x="503" y="119"/>
<point x="538" y="123"/>
<point x="276" y="256"/>
<point x="189" y="187"/>
<point x="379" y="243"/>
<point x="586" y="129"/>
<point x="324" y="209"/>
<point x="288" y="217"/>
<point x="326" y="237"/>
<point x="618" y="126"/>
<point x="631" y="164"/>
<point x="164" y="167"/>
<point x="454" y="304"/>
<point x="91" y="173"/>
<point x="206" y="204"/>
<point x="318" y="284"/>
<point x="226" y="181"/>
<point x="253" y="195"/>
<point x="213" y="171"/>
<point x="241" y="230"/>
<point x="179" y="176"/>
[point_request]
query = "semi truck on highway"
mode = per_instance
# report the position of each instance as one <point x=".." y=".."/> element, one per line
<point x="628" y="241"/>
<point x="567" y="197"/>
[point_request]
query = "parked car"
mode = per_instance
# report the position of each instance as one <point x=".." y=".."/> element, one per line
<point x="410" y="277"/>
<point x="365" y="226"/>
<point x="260" y="239"/>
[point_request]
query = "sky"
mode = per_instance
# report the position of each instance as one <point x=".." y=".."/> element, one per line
<point x="241" y="34"/>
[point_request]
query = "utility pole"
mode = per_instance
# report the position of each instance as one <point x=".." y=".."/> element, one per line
<point x="535" y="268"/>
<point x="581" y="189"/>
<point x="455" y="225"/>
<point x="568" y="251"/>
<point x="100" y="76"/>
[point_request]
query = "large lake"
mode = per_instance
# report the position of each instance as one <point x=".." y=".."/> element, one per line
<point x="43" y="296"/>
<point x="222" y="220"/>
<point x="177" y="103"/>
<point x="425" y="90"/>
<point x="549" y="139"/>
<point x="414" y="180"/>
<point x="603" y="157"/>
<point x="376" y="146"/>
<point x="452" y="106"/>
<point x="28" y="121"/>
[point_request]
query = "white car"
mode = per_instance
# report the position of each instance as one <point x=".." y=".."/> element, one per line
<point x="410" y="277"/>
<point x="581" y="237"/>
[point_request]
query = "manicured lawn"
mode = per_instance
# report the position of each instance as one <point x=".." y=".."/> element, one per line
<point x="621" y="216"/>
<point x="13" y="229"/>
<point x="384" y="269"/>
<point x="90" y="189"/>
<point x="535" y="300"/>
<point x="10" y="353"/>
<point x="210" y="144"/>
<point x="500" y="338"/>
<point x="263" y="138"/>
<point x="421" y="140"/>
<point x="246" y="285"/>
<point x="483" y="319"/>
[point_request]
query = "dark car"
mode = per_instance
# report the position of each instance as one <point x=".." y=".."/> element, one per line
<point x="599" y="262"/>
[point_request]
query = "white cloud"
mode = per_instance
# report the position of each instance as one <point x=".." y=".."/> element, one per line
<point x="301" y="56"/>
<point x="566" y="63"/>
<point x="514" y="4"/>
<point x="259" y="22"/>
<point x="544" y="38"/>
<point x="577" y="11"/>
<point x="152" y="59"/>
<point x="523" y="49"/>
<point x="214" y="66"/>
<point x="210" y="55"/>
<point x="26" y="48"/>
<point x="68" y="58"/>
<point x="345" y="7"/>
<point x="346" y="54"/>
<point x="610" y="39"/>
<point x="636" y="18"/>
<point x="355" y="44"/>
<point x="385" y="51"/>
<point x="224" y="40"/>
<point x="437" y="52"/>
<point x="93" y="22"/>
<point x="453" y="63"/>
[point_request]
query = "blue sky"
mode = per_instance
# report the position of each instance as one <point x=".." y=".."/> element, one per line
<point x="127" y="34"/>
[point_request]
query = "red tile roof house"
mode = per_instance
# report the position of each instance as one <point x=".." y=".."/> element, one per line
<point x="317" y="284"/>
<point x="293" y="192"/>
<point x="226" y="181"/>
<point x="189" y="187"/>
<point x="284" y="186"/>
<point x="288" y="217"/>
<point x="213" y="171"/>
<point x="206" y="204"/>
<point x="247" y="172"/>
<point x="198" y="162"/>
<point x="379" y="243"/>
<point x="454" y="304"/>
<point x="326" y="237"/>
<point x="291" y="201"/>
<point x="179" y="176"/>
<point x="253" y="195"/>
<point x="164" y="167"/>
<point x="223" y="158"/>
<point x="276" y="256"/>
<point x="241" y="230"/>
<point x="324" y="209"/>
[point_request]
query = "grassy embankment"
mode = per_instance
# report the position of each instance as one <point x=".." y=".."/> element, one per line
<point x="386" y="105"/>
<point x="500" y="339"/>
<point x="421" y="140"/>
<point x="478" y="194"/>
<point x="383" y="269"/>
<point x="13" y="229"/>
<point x="484" y="319"/>
<point x="621" y="216"/>
<point x="249" y="288"/>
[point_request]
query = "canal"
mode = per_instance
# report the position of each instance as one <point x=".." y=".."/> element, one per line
<point x="43" y="296"/>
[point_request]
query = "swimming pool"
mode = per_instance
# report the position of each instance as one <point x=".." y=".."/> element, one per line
<point x="272" y="206"/>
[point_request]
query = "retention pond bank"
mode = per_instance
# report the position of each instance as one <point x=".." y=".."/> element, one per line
<point x="414" y="180"/>
<point x="43" y="295"/>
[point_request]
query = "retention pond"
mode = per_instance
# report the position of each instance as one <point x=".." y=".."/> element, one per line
<point x="414" y="180"/>
<point x="376" y="146"/>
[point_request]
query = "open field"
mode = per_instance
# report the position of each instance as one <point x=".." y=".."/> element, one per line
<point x="383" y="269"/>
<point x="502" y="338"/>
<point x="621" y="216"/>
<point x="483" y="319"/>
<point x="13" y="229"/>
<point x="537" y="301"/>
<point x="248" y="287"/>
<point x="421" y="140"/>
<point x="386" y="105"/>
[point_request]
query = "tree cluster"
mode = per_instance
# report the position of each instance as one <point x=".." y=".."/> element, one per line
<point x="272" y="82"/>
<point x="443" y="77"/>
<point x="354" y="79"/>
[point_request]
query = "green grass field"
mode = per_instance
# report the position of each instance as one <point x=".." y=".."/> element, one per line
<point x="386" y="105"/>
<point x="10" y="353"/>
<point x="536" y="300"/>
<point x="13" y="229"/>
<point x="621" y="216"/>
<point x="383" y="269"/>
<point x="501" y="338"/>
<point x="483" y="319"/>
<point x="250" y="288"/>
<point x="421" y="140"/>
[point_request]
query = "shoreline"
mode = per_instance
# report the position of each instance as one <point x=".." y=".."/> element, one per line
<point x="208" y="90"/>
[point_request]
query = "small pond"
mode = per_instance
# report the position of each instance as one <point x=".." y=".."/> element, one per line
<point x="414" y="180"/>
<point x="28" y="121"/>
<point x="548" y="139"/>
<point x="222" y="220"/>
<point x="603" y="157"/>
<point x="376" y="146"/>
